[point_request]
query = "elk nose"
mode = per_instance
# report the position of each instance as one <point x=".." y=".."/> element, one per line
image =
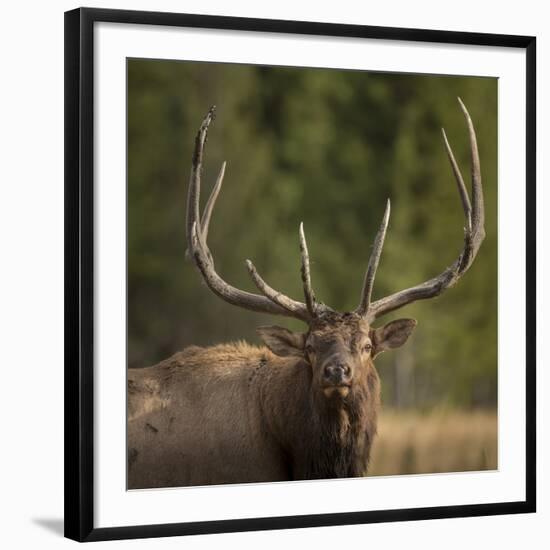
<point x="336" y="372"/>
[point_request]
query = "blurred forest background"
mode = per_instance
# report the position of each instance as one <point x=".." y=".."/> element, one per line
<point x="326" y="147"/>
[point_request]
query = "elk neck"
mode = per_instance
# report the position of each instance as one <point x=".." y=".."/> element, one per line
<point x="321" y="438"/>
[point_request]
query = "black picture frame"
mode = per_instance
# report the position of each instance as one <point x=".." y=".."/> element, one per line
<point x="79" y="272"/>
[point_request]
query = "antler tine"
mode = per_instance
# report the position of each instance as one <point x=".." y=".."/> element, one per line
<point x="460" y="182"/>
<point x="193" y="194"/>
<point x="275" y="296"/>
<point x="372" y="266"/>
<point x="198" y="248"/>
<point x="309" y="295"/>
<point x="207" y="214"/>
<point x="477" y="232"/>
<point x="473" y="235"/>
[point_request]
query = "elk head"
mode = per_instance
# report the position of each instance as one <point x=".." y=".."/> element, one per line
<point x="339" y="347"/>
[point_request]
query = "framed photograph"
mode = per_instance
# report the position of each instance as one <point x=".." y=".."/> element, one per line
<point x="300" y="274"/>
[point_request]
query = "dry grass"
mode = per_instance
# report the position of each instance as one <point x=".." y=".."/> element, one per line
<point x="440" y="441"/>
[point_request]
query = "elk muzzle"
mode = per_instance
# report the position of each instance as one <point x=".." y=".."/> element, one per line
<point x="336" y="378"/>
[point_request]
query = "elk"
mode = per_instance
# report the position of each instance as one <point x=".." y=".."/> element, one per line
<point x="305" y="405"/>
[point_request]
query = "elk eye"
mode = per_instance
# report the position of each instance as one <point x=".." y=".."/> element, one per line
<point x="367" y="348"/>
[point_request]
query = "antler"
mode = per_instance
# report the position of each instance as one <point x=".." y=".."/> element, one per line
<point x="272" y="301"/>
<point x="372" y="266"/>
<point x="474" y="233"/>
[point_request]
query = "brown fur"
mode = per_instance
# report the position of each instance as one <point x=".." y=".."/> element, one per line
<point x="237" y="413"/>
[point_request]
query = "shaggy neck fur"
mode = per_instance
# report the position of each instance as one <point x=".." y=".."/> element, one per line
<point x="321" y="437"/>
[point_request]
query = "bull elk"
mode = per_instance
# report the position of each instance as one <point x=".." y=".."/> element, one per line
<point x="305" y="405"/>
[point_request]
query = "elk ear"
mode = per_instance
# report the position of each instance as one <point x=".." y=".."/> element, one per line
<point x="281" y="341"/>
<point x="392" y="335"/>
